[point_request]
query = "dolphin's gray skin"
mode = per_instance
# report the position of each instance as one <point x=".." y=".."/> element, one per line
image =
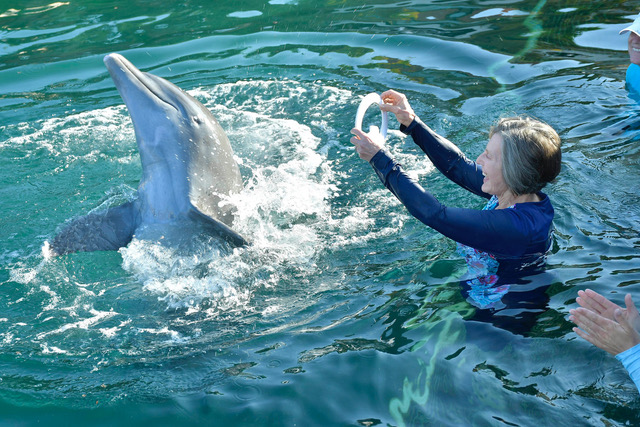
<point x="187" y="167"/>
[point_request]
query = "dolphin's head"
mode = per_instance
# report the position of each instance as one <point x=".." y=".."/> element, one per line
<point x="160" y="110"/>
<point x="182" y="146"/>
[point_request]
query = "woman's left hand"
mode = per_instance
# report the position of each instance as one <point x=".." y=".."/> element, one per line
<point x="367" y="144"/>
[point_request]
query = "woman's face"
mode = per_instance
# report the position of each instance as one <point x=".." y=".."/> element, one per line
<point x="634" y="48"/>
<point x="491" y="162"/>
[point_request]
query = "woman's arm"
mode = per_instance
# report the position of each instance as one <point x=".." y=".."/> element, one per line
<point x="496" y="231"/>
<point x="631" y="361"/>
<point x="444" y="155"/>
<point x="447" y="157"/>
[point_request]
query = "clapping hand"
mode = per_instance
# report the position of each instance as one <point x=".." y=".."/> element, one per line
<point x="605" y="324"/>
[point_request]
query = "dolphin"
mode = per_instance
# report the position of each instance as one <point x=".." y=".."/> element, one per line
<point x="187" y="168"/>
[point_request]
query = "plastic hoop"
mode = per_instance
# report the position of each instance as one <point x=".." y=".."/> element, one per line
<point x="372" y="98"/>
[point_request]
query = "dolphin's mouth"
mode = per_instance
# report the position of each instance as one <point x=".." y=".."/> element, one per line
<point x="123" y="71"/>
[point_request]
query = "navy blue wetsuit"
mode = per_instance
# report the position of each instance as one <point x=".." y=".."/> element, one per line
<point x="522" y="233"/>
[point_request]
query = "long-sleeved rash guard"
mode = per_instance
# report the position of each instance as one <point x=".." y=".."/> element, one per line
<point x="633" y="78"/>
<point x="631" y="361"/>
<point x="523" y="232"/>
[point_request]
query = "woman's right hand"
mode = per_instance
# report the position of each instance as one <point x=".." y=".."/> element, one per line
<point x="397" y="103"/>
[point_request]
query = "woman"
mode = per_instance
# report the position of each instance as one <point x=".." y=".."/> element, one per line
<point x="522" y="156"/>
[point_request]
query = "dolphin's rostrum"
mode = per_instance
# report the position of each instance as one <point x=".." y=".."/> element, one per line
<point x="187" y="167"/>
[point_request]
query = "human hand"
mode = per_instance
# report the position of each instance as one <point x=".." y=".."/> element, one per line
<point x="591" y="300"/>
<point x="367" y="144"/>
<point x="397" y="103"/>
<point x="613" y="334"/>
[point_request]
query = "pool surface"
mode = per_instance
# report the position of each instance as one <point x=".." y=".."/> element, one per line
<point x="345" y="310"/>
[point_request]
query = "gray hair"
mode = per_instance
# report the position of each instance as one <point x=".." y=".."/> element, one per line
<point x="531" y="155"/>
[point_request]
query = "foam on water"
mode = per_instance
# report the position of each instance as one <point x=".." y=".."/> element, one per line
<point x="287" y="210"/>
<point x="283" y="210"/>
<point x="195" y="291"/>
<point x="88" y="132"/>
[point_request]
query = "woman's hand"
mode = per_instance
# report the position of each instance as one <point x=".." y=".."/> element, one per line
<point x="367" y="144"/>
<point x="605" y="324"/>
<point x="591" y="300"/>
<point x="396" y="103"/>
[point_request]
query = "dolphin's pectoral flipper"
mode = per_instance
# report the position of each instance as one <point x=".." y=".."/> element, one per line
<point x="98" y="231"/>
<point x="218" y="228"/>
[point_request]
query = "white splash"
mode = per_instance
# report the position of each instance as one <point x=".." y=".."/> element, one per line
<point x="97" y="316"/>
<point x="285" y="209"/>
<point x="282" y="211"/>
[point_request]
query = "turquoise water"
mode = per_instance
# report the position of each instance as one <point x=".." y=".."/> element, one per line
<point x="345" y="310"/>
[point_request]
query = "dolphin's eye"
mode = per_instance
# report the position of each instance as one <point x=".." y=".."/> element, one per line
<point x="197" y="120"/>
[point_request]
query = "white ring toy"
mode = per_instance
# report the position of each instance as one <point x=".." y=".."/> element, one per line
<point x="372" y="98"/>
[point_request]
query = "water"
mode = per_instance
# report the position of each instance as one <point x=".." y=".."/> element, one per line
<point x="345" y="310"/>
